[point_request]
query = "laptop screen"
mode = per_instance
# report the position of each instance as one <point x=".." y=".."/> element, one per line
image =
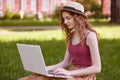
<point x="32" y="58"/>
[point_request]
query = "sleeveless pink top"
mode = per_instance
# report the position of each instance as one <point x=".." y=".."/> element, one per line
<point x="80" y="54"/>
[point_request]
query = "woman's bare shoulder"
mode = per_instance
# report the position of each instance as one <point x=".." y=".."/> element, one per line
<point x="91" y="37"/>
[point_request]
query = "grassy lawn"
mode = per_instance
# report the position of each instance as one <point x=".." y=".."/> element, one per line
<point x="11" y="67"/>
<point x="19" y="23"/>
<point x="27" y="23"/>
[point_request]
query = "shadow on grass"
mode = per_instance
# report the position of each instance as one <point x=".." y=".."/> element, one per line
<point x="11" y="66"/>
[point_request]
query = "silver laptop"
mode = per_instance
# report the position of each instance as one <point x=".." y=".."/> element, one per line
<point x="33" y="61"/>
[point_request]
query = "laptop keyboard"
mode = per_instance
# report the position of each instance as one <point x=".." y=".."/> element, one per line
<point x="59" y="75"/>
<point x="49" y="72"/>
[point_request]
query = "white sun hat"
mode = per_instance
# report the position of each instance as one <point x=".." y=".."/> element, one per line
<point x="74" y="7"/>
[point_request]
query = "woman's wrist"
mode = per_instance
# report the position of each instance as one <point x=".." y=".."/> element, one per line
<point x="73" y="73"/>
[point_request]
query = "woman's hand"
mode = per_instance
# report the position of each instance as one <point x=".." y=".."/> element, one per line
<point x="61" y="71"/>
<point x="49" y="68"/>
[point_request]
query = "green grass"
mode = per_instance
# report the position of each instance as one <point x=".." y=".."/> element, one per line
<point x="18" y="23"/>
<point x="11" y="67"/>
<point x="27" y="23"/>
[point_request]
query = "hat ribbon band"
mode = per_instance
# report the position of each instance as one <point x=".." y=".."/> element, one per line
<point x="71" y="8"/>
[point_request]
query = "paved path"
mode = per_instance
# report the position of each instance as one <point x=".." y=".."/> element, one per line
<point x="30" y="27"/>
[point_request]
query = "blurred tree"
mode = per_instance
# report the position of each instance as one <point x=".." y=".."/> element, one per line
<point x="93" y="7"/>
<point x="115" y="11"/>
<point x="88" y="3"/>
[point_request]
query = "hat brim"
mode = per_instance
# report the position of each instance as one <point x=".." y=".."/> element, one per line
<point x="75" y="12"/>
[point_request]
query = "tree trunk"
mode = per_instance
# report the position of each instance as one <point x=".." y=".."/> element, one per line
<point x="115" y="11"/>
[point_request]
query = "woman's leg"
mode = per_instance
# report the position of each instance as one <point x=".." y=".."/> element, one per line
<point x="35" y="77"/>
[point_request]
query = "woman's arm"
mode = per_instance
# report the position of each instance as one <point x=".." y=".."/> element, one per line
<point x="92" y="43"/>
<point x="95" y="57"/>
<point x="62" y="64"/>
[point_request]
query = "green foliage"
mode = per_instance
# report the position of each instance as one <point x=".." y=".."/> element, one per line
<point x="6" y="15"/>
<point x="29" y="17"/>
<point x="88" y="4"/>
<point x="94" y="7"/>
<point x="28" y="22"/>
<point x="15" y="16"/>
<point x="10" y="15"/>
<point x="56" y="13"/>
<point x="55" y="16"/>
<point x="98" y="11"/>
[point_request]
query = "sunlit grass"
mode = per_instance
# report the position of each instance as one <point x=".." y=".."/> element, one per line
<point x="109" y="32"/>
<point x="31" y="35"/>
<point x="104" y="32"/>
<point x="53" y="46"/>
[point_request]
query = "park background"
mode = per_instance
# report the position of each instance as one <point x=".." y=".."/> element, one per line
<point x="46" y="33"/>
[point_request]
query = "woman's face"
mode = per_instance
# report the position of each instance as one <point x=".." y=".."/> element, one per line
<point x="68" y="20"/>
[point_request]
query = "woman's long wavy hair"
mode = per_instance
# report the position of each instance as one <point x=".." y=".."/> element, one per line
<point x="82" y="24"/>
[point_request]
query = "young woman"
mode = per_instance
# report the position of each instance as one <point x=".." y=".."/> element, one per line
<point x="82" y="53"/>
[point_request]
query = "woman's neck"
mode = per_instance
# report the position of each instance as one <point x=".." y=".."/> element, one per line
<point x="75" y="38"/>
